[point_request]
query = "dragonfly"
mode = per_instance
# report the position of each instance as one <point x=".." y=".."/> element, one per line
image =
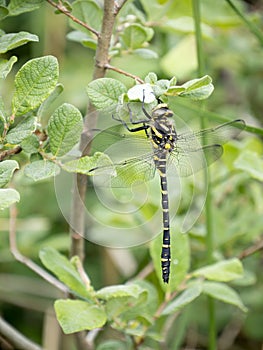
<point x="141" y="147"/>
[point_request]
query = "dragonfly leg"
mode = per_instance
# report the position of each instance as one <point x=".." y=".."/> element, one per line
<point x="141" y="121"/>
<point x="143" y="108"/>
<point x="139" y="128"/>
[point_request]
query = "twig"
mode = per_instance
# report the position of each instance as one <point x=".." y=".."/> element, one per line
<point x="144" y="272"/>
<point x="9" y="152"/>
<point x="16" y="338"/>
<point x="251" y="250"/>
<point x="252" y="27"/>
<point x="118" y="6"/>
<point x="79" y="191"/>
<point x="118" y="70"/>
<point x="77" y="229"/>
<point x="66" y="12"/>
<point x="24" y="260"/>
<point x="168" y="297"/>
<point x="230" y="333"/>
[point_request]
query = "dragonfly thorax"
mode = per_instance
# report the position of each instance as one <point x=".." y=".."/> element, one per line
<point x="163" y="134"/>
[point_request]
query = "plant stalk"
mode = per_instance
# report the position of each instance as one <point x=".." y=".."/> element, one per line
<point x="208" y="204"/>
<point x="251" y="26"/>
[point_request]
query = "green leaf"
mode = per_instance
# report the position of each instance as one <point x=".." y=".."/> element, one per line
<point x="88" y="12"/>
<point x="12" y="40"/>
<point x="76" y="315"/>
<point x="7" y="168"/>
<point x="84" y="165"/>
<point x="180" y="255"/>
<point x="173" y="81"/>
<point x="151" y="78"/>
<point x="119" y="306"/>
<point x="118" y="291"/>
<point x="114" y="344"/>
<point x="134" y="36"/>
<point x="2" y="116"/>
<point x="105" y="92"/>
<point x="161" y="87"/>
<point x="30" y="144"/>
<point x="146" y="53"/>
<point x="64" y="270"/>
<point x="64" y="129"/>
<point x="196" y="89"/>
<point x="83" y="38"/>
<point x="48" y="102"/>
<point x="249" y="278"/>
<point x="252" y="163"/>
<point x="3" y="12"/>
<point x="175" y="90"/>
<point x="144" y="307"/>
<point x="16" y="7"/>
<point x="33" y="83"/>
<point x="223" y="271"/>
<point x="8" y="197"/>
<point x="41" y="170"/>
<point x="22" y="130"/>
<point x="185" y="298"/>
<point x="141" y="92"/>
<point x="222" y="292"/>
<point x="6" y="66"/>
<point x="2" y="125"/>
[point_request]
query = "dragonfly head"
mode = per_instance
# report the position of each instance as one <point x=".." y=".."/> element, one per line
<point x="162" y="110"/>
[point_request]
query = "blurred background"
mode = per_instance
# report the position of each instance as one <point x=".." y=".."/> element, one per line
<point x="234" y="60"/>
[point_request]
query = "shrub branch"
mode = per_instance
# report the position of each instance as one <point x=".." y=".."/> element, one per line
<point x="15" y="338"/>
<point x="26" y="261"/>
<point x="66" y="12"/>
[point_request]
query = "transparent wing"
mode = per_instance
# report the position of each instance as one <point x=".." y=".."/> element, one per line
<point x="126" y="141"/>
<point x="196" y="150"/>
<point x="125" y="173"/>
<point x="132" y="154"/>
<point x="189" y="162"/>
<point x="218" y="135"/>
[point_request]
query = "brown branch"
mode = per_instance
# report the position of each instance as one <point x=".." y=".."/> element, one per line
<point x="66" y="12"/>
<point x="77" y="230"/>
<point x="144" y="272"/>
<point x="230" y="332"/>
<point x="251" y="250"/>
<point x="9" y="152"/>
<point x="102" y="53"/>
<point x="118" y="70"/>
<point x="18" y="340"/>
<point x="118" y="5"/>
<point x="24" y="260"/>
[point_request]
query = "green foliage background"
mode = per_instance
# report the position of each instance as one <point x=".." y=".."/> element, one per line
<point x="234" y="59"/>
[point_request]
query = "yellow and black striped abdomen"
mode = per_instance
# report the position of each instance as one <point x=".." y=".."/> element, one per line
<point x="163" y="137"/>
<point x="160" y="162"/>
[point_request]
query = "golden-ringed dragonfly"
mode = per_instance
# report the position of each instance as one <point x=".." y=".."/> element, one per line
<point x="160" y="146"/>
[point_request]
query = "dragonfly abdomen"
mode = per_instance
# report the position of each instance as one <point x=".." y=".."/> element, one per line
<point x="166" y="250"/>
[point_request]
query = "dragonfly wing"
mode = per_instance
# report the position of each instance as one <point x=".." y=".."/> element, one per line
<point x="103" y="140"/>
<point x="189" y="162"/>
<point x="218" y="135"/>
<point x="125" y="173"/>
<point x="194" y="151"/>
<point x="119" y="147"/>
